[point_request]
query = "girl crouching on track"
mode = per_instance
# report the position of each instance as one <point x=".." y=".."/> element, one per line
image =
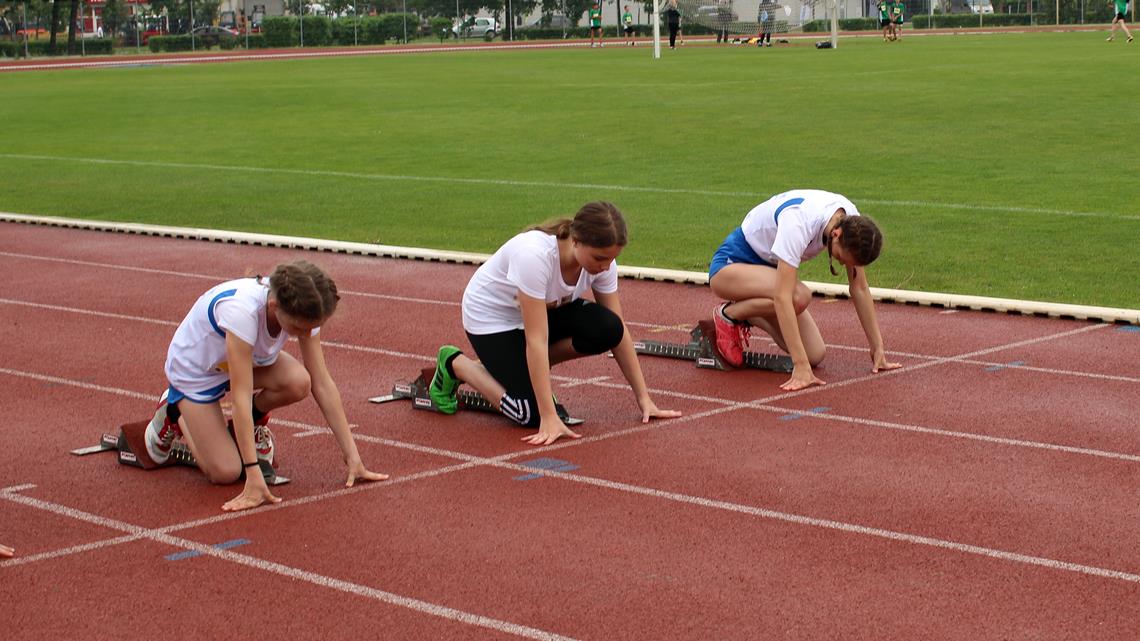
<point x="756" y="271"/>
<point x="231" y="341"/>
<point x="524" y="312"/>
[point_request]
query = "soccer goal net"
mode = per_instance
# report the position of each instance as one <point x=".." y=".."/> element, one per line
<point x="747" y="21"/>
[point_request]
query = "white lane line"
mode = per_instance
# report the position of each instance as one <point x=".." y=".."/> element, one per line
<point x="653" y="327"/>
<point x="543" y="184"/>
<point x="210" y="277"/>
<point x="391" y="598"/>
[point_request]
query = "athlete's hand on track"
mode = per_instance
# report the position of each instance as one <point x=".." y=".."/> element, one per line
<point x="7" y="552"/>
<point x="255" y="493"/>
<point x="879" y="363"/>
<point x="549" y="431"/>
<point x="802" y="377"/>
<point x="356" y="470"/>
<point x="649" y="410"/>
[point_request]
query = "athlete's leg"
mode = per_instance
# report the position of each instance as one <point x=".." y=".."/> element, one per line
<point x="751" y="289"/>
<point x="204" y="429"/>
<point x="283" y="383"/>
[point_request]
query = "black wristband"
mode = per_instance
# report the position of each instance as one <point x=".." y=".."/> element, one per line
<point x="249" y="465"/>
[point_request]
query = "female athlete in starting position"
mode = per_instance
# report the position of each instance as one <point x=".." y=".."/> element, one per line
<point x="524" y="311"/>
<point x="231" y="341"/>
<point x="756" y="271"/>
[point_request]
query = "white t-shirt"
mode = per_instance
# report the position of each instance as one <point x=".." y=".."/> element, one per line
<point x="527" y="263"/>
<point x="789" y="226"/>
<point x="196" y="360"/>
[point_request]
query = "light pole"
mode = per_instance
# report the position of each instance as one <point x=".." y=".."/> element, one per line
<point x="24" y="12"/>
<point x="355" y="22"/>
<point x="404" y="8"/>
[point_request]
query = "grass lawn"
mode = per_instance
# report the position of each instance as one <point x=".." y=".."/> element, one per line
<point x="998" y="165"/>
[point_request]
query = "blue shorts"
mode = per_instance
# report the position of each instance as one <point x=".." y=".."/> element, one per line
<point x="734" y="249"/>
<point x="205" y="396"/>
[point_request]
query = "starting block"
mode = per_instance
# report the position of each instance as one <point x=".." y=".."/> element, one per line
<point x="417" y="391"/>
<point x="130" y="447"/>
<point x="702" y="349"/>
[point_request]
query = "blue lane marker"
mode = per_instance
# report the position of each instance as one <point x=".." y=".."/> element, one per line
<point x="552" y="464"/>
<point x="189" y="554"/>
<point x="1131" y="329"/>
<point x="795" y="415"/>
<point x="998" y="368"/>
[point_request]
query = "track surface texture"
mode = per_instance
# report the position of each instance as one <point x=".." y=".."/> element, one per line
<point x="986" y="490"/>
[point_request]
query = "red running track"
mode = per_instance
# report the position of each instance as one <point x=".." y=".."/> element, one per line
<point x="987" y="490"/>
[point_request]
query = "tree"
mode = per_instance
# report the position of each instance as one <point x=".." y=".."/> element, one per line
<point x="54" y="25"/>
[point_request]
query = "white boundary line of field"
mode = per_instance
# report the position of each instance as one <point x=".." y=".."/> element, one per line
<point x="935" y="299"/>
<point x="160" y="534"/>
<point x="549" y="184"/>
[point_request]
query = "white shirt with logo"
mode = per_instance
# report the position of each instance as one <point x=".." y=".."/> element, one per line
<point x="797" y="236"/>
<point x="196" y="360"/>
<point x="529" y="263"/>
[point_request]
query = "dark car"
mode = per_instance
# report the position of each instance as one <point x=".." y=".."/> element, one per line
<point x="210" y="35"/>
<point x="555" y="22"/>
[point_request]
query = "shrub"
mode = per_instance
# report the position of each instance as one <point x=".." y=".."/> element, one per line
<point x="441" y="27"/>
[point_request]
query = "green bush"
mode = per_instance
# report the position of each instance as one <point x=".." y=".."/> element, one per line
<point x="170" y="43"/>
<point x="89" y="46"/>
<point x="280" y="31"/>
<point x="317" y="32"/>
<point x="967" y="20"/>
<point x="255" y="41"/>
<point x="441" y="27"/>
<point x="389" y="26"/>
<point x="342" y="31"/>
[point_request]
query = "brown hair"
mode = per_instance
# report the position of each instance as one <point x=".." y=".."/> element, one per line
<point x="861" y="238"/>
<point x="303" y="291"/>
<point x="598" y="224"/>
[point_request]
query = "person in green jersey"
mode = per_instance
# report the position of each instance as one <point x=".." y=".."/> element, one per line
<point x="627" y="25"/>
<point x="1121" y="12"/>
<point x="885" y="19"/>
<point x="897" y="9"/>
<point x="596" y="25"/>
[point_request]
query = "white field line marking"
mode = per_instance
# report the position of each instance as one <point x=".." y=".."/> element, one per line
<point x="600" y="382"/>
<point x="543" y="184"/>
<point x="931" y="363"/>
<point x="653" y="327"/>
<point x="290" y="572"/>
<point x="208" y="277"/>
<point x="501" y="462"/>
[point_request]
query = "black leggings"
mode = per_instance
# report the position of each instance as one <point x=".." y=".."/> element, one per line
<point x="673" y="29"/>
<point x="591" y="328"/>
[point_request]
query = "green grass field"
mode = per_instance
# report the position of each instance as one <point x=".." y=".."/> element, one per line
<point x="999" y="165"/>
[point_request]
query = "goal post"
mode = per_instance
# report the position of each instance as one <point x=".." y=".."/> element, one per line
<point x="745" y="22"/>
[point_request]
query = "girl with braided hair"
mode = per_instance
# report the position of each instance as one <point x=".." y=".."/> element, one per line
<point x="231" y="341"/>
<point x="756" y="271"/>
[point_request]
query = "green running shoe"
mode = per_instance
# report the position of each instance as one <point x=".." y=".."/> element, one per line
<point x="443" y="385"/>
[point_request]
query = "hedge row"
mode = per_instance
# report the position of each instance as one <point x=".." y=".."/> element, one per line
<point x="285" y="31"/>
<point x="89" y="46"/>
<point x="158" y="44"/>
<point x="924" y="21"/>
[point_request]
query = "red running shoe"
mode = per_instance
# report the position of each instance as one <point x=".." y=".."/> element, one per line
<point x="731" y="338"/>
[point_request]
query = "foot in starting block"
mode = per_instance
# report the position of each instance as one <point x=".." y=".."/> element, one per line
<point x="702" y="349"/>
<point x="130" y="447"/>
<point x="417" y="391"/>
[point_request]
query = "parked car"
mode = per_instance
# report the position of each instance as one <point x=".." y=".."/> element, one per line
<point x="556" y="22"/>
<point x="210" y="35"/>
<point x="476" y="27"/>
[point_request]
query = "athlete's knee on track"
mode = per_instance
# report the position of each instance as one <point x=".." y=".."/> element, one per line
<point x="816" y="354"/>
<point x="220" y="474"/>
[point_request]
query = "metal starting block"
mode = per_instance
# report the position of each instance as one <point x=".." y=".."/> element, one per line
<point x="702" y="349"/>
<point x="417" y="391"/>
<point x="132" y="433"/>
